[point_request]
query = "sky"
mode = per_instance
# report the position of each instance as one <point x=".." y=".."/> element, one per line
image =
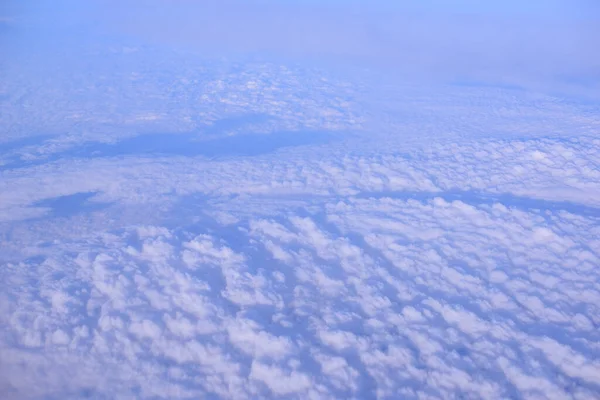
<point x="299" y="199"/>
<point x="513" y="42"/>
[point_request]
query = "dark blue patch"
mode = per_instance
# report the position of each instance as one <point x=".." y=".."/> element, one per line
<point x="66" y="206"/>
<point x="474" y="197"/>
<point x="28" y="141"/>
<point x="189" y="145"/>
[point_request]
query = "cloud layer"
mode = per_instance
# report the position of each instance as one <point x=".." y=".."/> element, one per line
<point x="358" y="298"/>
<point x="377" y="237"/>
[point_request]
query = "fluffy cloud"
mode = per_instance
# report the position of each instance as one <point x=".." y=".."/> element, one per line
<point x="433" y="242"/>
<point x="365" y="297"/>
<point x="562" y="172"/>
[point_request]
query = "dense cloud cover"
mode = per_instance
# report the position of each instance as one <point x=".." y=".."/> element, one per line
<point x="250" y="223"/>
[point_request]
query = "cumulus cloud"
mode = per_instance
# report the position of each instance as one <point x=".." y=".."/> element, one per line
<point x="564" y="173"/>
<point x="441" y="243"/>
<point x="366" y="297"/>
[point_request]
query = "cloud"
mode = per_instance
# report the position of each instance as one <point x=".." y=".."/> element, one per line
<point x="443" y="245"/>
<point x="437" y="40"/>
<point x="548" y="173"/>
<point x="359" y="297"/>
<point x="541" y="45"/>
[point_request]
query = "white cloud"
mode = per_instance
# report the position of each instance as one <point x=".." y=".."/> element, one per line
<point x="280" y="382"/>
<point x="426" y="325"/>
<point x="483" y="309"/>
<point x="448" y="247"/>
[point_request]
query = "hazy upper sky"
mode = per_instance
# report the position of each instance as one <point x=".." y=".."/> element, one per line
<point x="552" y="42"/>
